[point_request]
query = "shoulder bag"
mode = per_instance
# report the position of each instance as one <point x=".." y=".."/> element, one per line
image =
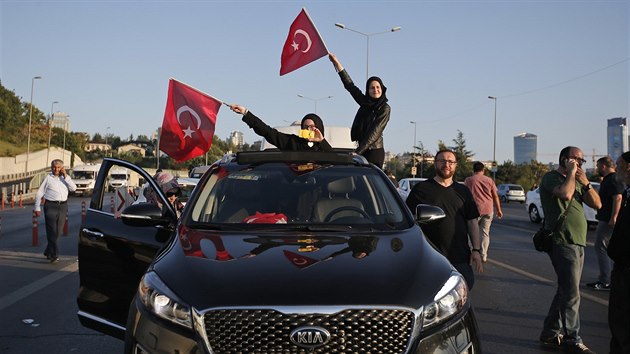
<point x="543" y="238"/>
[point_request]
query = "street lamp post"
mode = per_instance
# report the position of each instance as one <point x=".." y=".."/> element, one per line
<point x="415" y="125"/>
<point x="106" y="133"/>
<point x="315" y="100"/>
<point x="50" y="129"/>
<point x="30" y="119"/>
<point x="65" y="127"/>
<point x="494" y="144"/>
<point x="367" y="37"/>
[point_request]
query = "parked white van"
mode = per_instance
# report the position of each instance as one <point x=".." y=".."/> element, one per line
<point x="84" y="176"/>
<point x="118" y="178"/>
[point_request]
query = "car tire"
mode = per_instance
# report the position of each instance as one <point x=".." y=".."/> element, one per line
<point x="534" y="215"/>
<point x="504" y="199"/>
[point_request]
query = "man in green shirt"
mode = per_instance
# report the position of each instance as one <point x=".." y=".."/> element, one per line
<point x="566" y="187"/>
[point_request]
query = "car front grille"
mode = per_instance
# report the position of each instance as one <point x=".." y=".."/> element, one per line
<point x="268" y="331"/>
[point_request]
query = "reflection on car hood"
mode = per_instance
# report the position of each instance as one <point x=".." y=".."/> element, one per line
<point x="212" y="269"/>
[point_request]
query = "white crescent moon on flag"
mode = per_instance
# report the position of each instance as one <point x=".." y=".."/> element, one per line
<point x="298" y="261"/>
<point x="308" y="39"/>
<point x="188" y="131"/>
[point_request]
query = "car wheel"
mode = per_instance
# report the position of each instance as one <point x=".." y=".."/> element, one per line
<point x="504" y="199"/>
<point x="534" y="215"/>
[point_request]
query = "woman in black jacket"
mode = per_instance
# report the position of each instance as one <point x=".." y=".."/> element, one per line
<point x="284" y="141"/>
<point x="372" y="116"/>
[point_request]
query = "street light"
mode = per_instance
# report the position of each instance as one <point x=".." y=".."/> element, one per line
<point x="65" y="127"/>
<point x="415" y="125"/>
<point x="106" y="133"/>
<point x="30" y="119"/>
<point x="367" y="37"/>
<point x="494" y="144"/>
<point x="50" y="129"/>
<point x="315" y="100"/>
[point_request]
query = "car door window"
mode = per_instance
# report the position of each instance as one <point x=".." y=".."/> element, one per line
<point x="116" y="197"/>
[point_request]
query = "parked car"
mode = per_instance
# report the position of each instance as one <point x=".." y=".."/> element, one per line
<point x="275" y="252"/>
<point x="406" y="184"/>
<point x="511" y="193"/>
<point x="536" y="214"/>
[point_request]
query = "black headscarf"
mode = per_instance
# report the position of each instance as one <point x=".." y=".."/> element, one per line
<point x="375" y="102"/>
<point x="315" y="118"/>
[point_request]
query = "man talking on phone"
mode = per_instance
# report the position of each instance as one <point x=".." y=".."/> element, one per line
<point x="562" y="193"/>
<point x="54" y="189"/>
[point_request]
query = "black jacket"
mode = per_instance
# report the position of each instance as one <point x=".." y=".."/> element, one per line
<point x="370" y="120"/>
<point x="281" y="140"/>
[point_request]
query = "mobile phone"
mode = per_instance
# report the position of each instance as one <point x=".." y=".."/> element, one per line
<point x="306" y="134"/>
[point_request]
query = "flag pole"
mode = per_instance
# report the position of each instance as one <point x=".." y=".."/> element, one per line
<point x="198" y="90"/>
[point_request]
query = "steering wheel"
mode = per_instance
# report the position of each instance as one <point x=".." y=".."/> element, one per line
<point x="346" y="208"/>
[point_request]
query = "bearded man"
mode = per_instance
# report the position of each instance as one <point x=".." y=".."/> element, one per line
<point x="451" y="235"/>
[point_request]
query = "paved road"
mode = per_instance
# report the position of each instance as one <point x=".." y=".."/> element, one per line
<point x="511" y="297"/>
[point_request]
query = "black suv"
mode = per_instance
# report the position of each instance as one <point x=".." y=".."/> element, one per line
<point x="275" y="252"/>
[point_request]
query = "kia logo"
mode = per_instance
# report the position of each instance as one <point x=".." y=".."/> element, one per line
<point x="310" y="337"/>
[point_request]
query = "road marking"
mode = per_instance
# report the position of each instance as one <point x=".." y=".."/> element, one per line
<point x="544" y="280"/>
<point x="37" y="285"/>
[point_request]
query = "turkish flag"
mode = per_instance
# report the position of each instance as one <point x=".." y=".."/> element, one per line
<point x="298" y="260"/>
<point x="303" y="44"/>
<point x="189" y="121"/>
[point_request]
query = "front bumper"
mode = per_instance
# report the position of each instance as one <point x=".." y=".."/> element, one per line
<point x="149" y="334"/>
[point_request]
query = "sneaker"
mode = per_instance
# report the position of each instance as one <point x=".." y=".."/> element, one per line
<point x="54" y="260"/>
<point x="598" y="285"/>
<point x="578" y="348"/>
<point x="552" y="342"/>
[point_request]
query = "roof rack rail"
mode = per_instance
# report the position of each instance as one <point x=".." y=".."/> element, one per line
<point x="248" y="157"/>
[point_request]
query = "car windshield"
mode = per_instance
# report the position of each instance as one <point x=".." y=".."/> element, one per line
<point x="299" y="195"/>
<point x="121" y="176"/>
<point x="83" y="175"/>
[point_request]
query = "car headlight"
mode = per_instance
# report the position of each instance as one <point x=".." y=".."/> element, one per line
<point x="450" y="300"/>
<point x="161" y="301"/>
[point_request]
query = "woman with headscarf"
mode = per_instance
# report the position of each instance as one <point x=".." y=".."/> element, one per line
<point x="169" y="185"/>
<point x="283" y="141"/>
<point x="372" y="116"/>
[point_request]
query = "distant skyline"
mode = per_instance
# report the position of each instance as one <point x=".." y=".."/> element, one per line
<point x="558" y="69"/>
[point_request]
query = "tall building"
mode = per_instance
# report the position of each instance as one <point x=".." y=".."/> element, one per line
<point x="236" y="138"/>
<point x="61" y="120"/>
<point x="525" y="148"/>
<point x="617" y="137"/>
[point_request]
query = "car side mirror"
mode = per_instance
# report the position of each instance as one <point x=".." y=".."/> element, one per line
<point x="426" y="214"/>
<point x="144" y="214"/>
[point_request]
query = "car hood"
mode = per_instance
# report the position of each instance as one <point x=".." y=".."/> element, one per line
<point x="208" y="269"/>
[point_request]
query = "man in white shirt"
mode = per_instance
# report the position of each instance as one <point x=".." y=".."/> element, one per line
<point x="54" y="189"/>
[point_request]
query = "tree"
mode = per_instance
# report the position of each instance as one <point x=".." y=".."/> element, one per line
<point x="463" y="157"/>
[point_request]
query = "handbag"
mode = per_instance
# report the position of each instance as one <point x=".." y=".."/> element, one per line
<point x="543" y="238"/>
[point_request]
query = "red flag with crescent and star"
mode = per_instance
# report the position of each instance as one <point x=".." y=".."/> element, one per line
<point x="303" y="45"/>
<point x="189" y="121"/>
<point x="299" y="260"/>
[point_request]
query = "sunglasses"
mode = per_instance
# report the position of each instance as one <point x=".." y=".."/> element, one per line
<point x="579" y="160"/>
<point x="170" y="194"/>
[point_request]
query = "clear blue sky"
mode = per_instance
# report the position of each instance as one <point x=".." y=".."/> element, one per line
<point x="558" y="68"/>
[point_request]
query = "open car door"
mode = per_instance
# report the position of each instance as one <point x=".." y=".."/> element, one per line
<point x="114" y="256"/>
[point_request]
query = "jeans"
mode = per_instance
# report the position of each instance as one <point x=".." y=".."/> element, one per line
<point x="601" y="245"/>
<point x="619" y="310"/>
<point x="564" y="316"/>
<point x="484" y="222"/>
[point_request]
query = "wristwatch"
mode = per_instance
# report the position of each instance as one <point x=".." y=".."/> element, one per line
<point x="477" y="250"/>
<point x="587" y="187"/>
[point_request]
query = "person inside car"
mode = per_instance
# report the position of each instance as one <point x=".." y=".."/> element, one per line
<point x="311" y="136"/>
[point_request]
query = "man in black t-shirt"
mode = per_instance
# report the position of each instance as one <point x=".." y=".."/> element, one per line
<point x="450" y="235"/>
<point x="610" y="191"/>
<point x="619" y="252"/>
